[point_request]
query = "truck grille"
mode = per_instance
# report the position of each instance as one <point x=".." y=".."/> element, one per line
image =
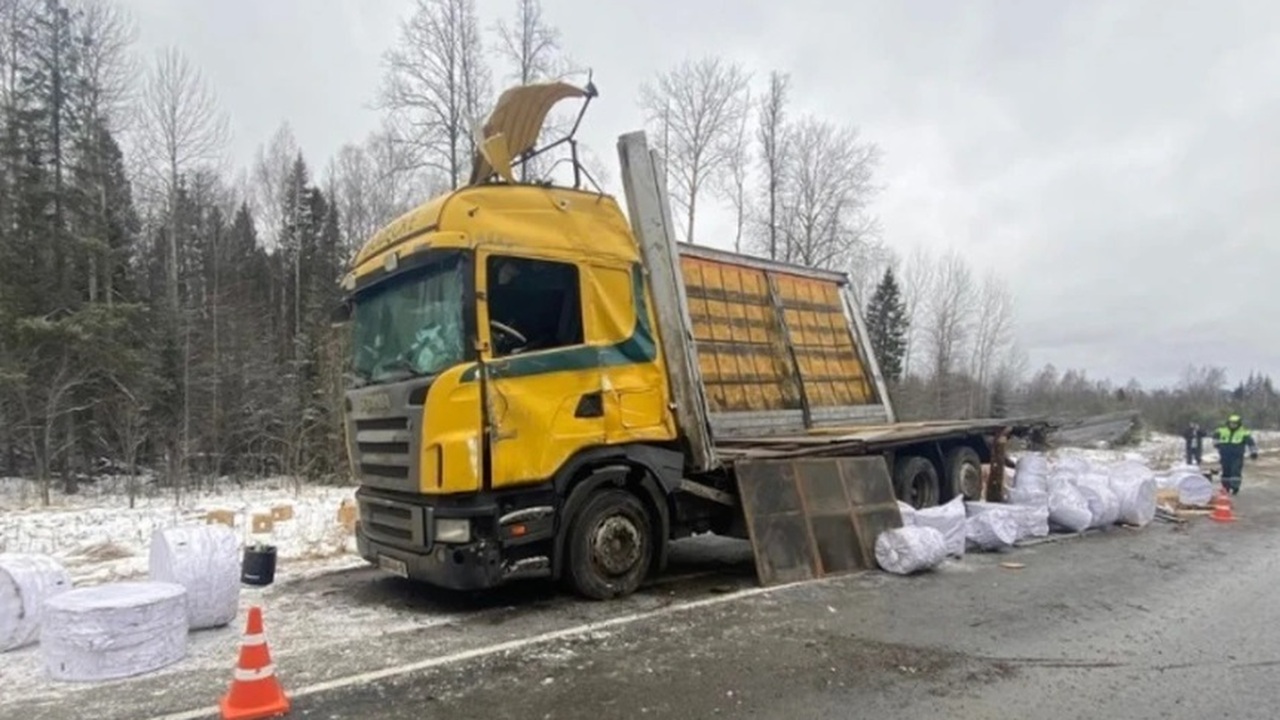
<point x="383" y="449"/>
<point x="394" y="522"/>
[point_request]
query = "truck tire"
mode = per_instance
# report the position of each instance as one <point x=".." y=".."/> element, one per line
<point x="610" y="545"/>
<point x="964" y="472"/>
<point x="915" y="480"/>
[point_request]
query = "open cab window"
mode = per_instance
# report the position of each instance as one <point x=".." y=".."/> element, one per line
<point x="533" y="305"/>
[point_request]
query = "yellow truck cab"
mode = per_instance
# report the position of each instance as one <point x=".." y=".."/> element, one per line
<point x="541" y="388"/>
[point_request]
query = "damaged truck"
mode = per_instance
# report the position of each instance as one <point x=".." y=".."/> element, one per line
<point x="544" y="386"/>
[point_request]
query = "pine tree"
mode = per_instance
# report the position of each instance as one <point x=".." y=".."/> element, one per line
<point x="887" y="322"/>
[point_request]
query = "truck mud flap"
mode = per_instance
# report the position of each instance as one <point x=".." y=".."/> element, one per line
<point x="813" y="517"/>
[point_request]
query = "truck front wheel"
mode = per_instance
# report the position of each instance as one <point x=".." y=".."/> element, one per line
<point x="915" y="480"/>
<point x="610" y="545"/>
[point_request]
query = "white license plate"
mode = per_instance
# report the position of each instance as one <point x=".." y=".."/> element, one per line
<point x="393" y="566"/>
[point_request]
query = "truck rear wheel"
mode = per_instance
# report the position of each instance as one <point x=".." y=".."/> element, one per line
<point x="915" y="480"/>
<point x="610" y="545"/>
<point x="964" y="472"/>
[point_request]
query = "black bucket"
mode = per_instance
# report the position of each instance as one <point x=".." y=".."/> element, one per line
<point x="259" y="565"/>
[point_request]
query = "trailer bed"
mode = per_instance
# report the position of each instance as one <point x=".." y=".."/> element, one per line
<point x="868" y="439"/>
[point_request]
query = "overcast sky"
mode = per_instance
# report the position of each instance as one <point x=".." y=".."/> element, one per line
<point x="1117" y="160"/>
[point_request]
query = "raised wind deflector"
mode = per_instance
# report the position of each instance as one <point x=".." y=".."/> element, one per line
<point x="507" y="140"/>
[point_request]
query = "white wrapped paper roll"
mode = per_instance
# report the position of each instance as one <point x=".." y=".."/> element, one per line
<point x="203" y="559"/>
<point x="907" y="550"/>
<point x="947" y="519"/>
<point x="26" y="581"/>
<point x="114" y="631"/>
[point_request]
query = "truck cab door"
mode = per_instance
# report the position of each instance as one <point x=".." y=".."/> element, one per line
<point x="544" y="396"/>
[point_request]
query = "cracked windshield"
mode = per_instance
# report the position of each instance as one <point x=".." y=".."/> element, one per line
<point x="411" y="326"/>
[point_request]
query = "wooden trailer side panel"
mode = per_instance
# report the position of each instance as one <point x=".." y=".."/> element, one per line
<point x="778" y="347"/>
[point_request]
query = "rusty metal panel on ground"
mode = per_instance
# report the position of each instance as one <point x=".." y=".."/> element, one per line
<point x="813" y="517"/>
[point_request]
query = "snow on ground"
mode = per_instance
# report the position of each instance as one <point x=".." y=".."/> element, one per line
<point x="99" y="538"/>
<point x="1161" y="450"/>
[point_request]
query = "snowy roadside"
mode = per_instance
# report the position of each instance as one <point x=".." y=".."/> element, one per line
<point x="1162" y="451"/>
<point x="99" y="538"/>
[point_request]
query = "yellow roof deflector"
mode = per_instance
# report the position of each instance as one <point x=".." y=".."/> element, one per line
<point x="514" y="125"/>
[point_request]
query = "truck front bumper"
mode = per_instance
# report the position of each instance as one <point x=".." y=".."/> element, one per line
<point x="471" y="566"/>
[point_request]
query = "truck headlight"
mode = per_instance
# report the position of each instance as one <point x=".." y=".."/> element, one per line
<point x="453" y="530"/>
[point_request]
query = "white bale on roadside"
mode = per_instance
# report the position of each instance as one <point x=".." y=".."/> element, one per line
<point x="1135" y="487"/>
<point x="1075" y="465"/>
<point x="1032" y="497"/>
<point x="1137" y="501"/>
<point x="204" y="559"/>
<point x="1192" y="486"/>
<point x="947" y="519"/>
<point x="1031" y="476"/>
<point x="1104" y="506"/>
<point x="990" y="531"/>
<point x="907" y="550"/>
<point x="1069" y="508"/>
<point x="114" y="631"/>
<point x="26" y="582"/>
<point x="1029" y="520"/>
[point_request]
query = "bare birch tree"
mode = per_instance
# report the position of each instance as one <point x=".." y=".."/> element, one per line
<point x="181" y="127"/>
<point x="917" y="275"/>
<point x="736" y="184"/>
<point x="437" y="86"/>
<point x="992" y="335"/>
<point x="697" y="107"/>
<point x="530" y="46"/>
<point x="826" y="198"/>
<point x="270" y="179"/>
<point x="948" y="325"/>
<point x="867" y="264"/>
<point x="772" y="134"/>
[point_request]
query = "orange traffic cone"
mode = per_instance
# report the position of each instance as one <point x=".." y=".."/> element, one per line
<point x="1222" y="508"/>
<point x="255" y="693"/>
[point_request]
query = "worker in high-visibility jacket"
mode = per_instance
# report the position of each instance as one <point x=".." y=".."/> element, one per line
<point x="1232" y="441"/>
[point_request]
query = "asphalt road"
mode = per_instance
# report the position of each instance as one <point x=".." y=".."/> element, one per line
<point x="1163" y="622"/>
